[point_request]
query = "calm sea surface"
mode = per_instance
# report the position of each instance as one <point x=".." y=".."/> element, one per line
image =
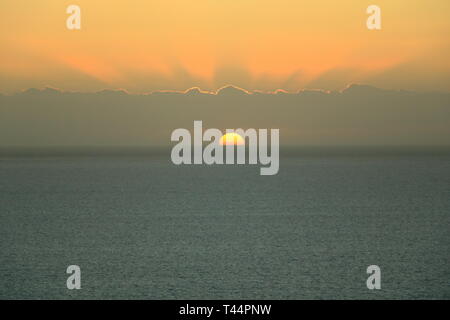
<point x="142" y="228"/>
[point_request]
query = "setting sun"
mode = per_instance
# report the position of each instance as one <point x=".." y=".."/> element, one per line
<point x="232" y="139"/>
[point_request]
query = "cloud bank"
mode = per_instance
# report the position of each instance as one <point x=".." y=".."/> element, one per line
<point x="357" y="115"/>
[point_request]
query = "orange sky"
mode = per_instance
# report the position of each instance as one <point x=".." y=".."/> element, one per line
<point x="143" y="46"/>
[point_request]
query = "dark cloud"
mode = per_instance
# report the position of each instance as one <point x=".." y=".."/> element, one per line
<point x="357" y="115"/>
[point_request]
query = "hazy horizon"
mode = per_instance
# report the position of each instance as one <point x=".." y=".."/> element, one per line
<point x="359" y="115"/>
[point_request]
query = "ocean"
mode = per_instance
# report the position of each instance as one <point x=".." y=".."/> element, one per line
<point x="140" y="227"/>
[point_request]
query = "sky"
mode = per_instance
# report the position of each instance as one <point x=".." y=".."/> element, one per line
<point x="144" y="46"/>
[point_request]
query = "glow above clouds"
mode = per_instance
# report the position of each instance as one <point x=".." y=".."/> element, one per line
<point x="151" y="45"/>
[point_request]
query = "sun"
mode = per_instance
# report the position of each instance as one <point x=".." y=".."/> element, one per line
<point x="232" y="139"/>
